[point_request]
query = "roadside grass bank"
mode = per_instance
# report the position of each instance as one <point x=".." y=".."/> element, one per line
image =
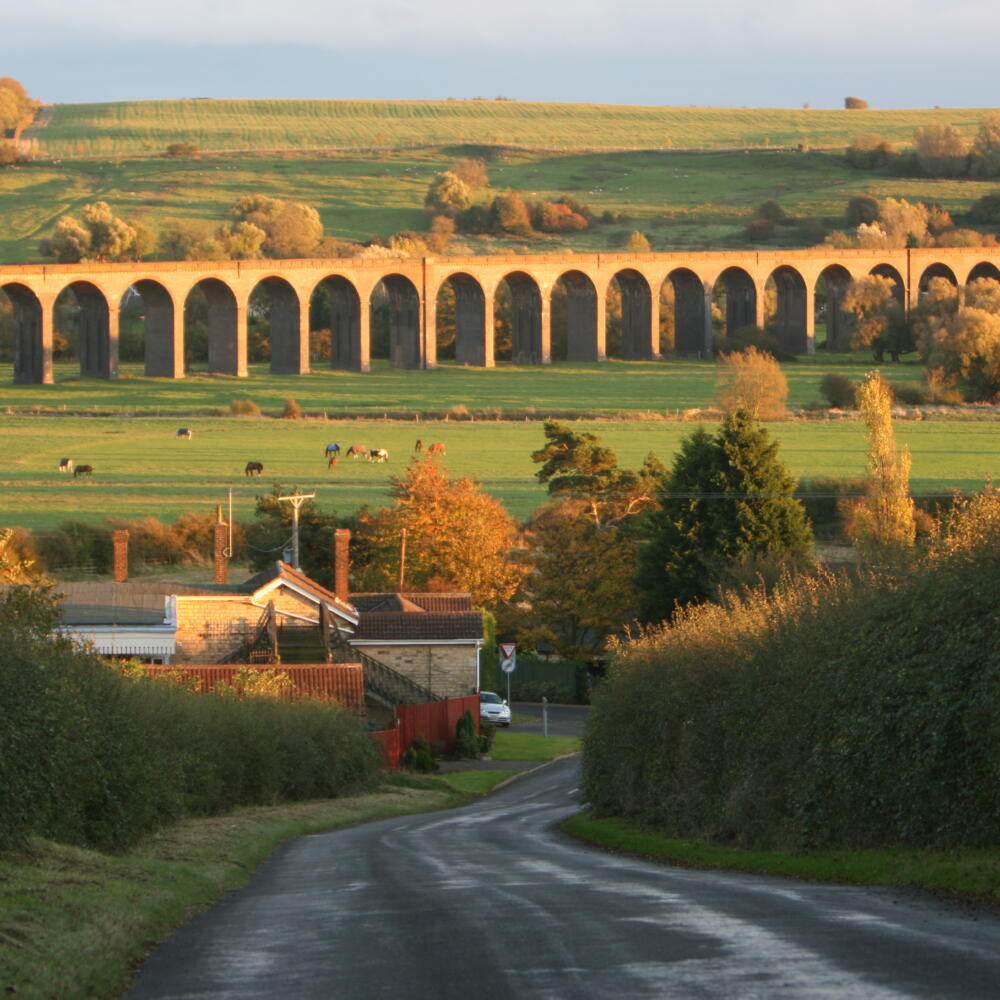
<point x="73" y="922"/>
<point x="532" y="746"/>
<point x="963" y="873"/>
<point x="476" y="782"/>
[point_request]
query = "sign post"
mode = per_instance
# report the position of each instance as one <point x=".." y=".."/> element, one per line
<point x="508" y="662"/>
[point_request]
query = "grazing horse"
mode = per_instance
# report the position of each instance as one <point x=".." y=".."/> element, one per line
<point x="331" y="449"/>
<point x="253" y="469"/>
<point x="65" y="465"/>
<point x="357" y="451"/>
<point x="378" y="455"/>
<point x="83" y="470"/>
<point x="331" y="462"/>
<point x="184" y="432"/>
<point x="436" y="448"/>
<point x="419" y="446"/>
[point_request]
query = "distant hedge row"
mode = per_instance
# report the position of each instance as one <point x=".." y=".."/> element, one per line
<point x="835" y="714"/>
<point x="92" y="758"/>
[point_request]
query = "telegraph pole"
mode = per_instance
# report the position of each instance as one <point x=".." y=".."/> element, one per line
<point x="296" y="500"/>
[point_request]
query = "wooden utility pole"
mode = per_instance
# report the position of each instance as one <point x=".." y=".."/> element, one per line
<point x="296" y="500"/>
<point x="402" y="561"/>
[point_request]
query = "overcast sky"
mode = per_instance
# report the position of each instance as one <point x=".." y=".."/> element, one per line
<point x="772" y="53"/>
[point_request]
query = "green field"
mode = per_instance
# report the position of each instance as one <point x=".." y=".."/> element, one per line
<point x="366" y="166"/>
<point x="138" y="128"/>
<point x="141" y="469"/>
<point x="607" y="388"/>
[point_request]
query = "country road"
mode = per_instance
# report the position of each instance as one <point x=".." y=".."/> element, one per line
<point x="491" y="902"/>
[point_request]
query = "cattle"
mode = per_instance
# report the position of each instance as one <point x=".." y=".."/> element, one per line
<point x="253" y="469"/>
<point x="436" y="449"/>
<point x="331" y="449"/>
<point x="65" y="465"/>
<point x="184" y="432"/>
<point x="378" y="455"/>
<point x="357" y="451"/>
<point x="419" y="446"/>
<point x="83" y="470"/>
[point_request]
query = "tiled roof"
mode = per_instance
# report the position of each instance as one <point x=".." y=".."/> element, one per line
<point x="384" y="625"/>
<point x="414" y="602"/>
<point x="292" y="575"/>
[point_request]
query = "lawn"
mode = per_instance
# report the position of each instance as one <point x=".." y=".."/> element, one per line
<point x="532" y="746"/>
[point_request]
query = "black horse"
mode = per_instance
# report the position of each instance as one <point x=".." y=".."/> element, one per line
<point x="253" y="469"/>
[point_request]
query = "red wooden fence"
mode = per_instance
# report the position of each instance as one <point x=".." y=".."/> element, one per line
<point x="434" y="720"/>
<point x="343" y="683"/>
<point x="391" y="750"/>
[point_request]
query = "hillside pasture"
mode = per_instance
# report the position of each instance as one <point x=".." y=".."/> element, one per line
<point x="141" y="468"/>
<point x="144" y="128"/>
<point x="682" y="201"/>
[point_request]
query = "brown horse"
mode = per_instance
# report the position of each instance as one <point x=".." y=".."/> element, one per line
<point x="253" y="469"/>
<point x="331" y="462"/>
<point x="357" y="451"/>
<point x="419" y="446"/>
<point x="83" y="470"/>
<point x="436" y="449"/>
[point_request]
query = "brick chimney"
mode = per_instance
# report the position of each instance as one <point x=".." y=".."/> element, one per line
<point x="119" y="541"/>
<point x="341" y="563"/>
<point x="220" y="551"/>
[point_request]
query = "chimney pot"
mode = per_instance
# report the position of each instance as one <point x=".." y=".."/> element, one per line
<point x="119" y="542"/>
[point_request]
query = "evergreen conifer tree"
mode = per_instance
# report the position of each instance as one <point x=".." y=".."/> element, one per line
<point x="729" y="497"/>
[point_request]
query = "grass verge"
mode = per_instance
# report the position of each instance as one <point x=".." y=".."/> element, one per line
<point x="476" y="782"/>
<point x="74" y="922"/>
<point x="532" y="746"/>
<point x="968" y="873"/>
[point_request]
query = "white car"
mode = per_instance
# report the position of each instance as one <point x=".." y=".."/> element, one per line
<point x="492" y="708"/>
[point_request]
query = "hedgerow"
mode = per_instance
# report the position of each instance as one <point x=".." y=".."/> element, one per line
<point x="92" y="757"/>
<point x="837" y="712"/>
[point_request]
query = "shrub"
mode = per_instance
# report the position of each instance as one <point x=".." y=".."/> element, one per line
<point x="838" y="390"/>
<point x="855" y="103"/>
<point x="292" y="410"/>
<point x="759" y="230"/>
<point x="466" y="738"/>
<point x="96" y="757"/>
<point x="869" y="151"/>
<point x="909" y="393"/>
<point x="537" y="690"/>
<point x="244" y="408"/>
<point x="181" y="149"/>
<point x="419" y="757"/>
<point x="861" y="209"/>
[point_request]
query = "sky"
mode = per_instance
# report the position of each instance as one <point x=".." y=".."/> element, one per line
<point x="770" y="53"/>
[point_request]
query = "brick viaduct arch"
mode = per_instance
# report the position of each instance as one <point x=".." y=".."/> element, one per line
<point x="740" y="281"/>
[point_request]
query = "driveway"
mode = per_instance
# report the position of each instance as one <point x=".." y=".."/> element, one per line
<point x="492" y="901"/>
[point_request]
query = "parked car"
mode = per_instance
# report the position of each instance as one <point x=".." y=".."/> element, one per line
<point x="493" y="708"/>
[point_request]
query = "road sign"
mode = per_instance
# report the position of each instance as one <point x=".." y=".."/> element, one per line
<point x="508" y="657"/>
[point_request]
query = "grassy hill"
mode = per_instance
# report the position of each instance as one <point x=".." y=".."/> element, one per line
<point x="142" y="128"/>
<point x="690" y="178"/>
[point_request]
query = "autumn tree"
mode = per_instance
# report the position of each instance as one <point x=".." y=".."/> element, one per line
<point x="471" y="170"/>
<point x="181" y="239"/>
<point x="752" y="380"/>
<point x="578" y="590"/>
<point x="447" y="195"/>
<point x="942" y="151"/>
<point x="869" y="151"/>
<point x="17" y="109"/>
<point x="291" y="228"/>
<point x="576" y="465"/>
<point x="985" y="156"/>
<point x="458" y="537"/>
<point x="509" y="214"/>
<point x="855" y="103"/>
<point x="637" y="243"/>
<point x="882" y="526"/>
<point x="728" y="498"/>
<point x="879" y="322"/>
<point x="98" y="235"/>
<point x="966" y="345"/>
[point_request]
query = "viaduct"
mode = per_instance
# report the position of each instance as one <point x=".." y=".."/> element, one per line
<point x="412" y="287"/>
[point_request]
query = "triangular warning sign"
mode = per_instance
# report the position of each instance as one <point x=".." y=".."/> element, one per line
<point x="507" y="649"/>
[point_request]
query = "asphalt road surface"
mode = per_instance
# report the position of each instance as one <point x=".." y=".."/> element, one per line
<point x="489" y="901"/>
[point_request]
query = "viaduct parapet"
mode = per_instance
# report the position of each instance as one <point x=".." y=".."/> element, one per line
<point x="411" y="288"/>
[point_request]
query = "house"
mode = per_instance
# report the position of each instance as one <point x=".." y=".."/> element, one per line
<point x="413" y="647"/>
